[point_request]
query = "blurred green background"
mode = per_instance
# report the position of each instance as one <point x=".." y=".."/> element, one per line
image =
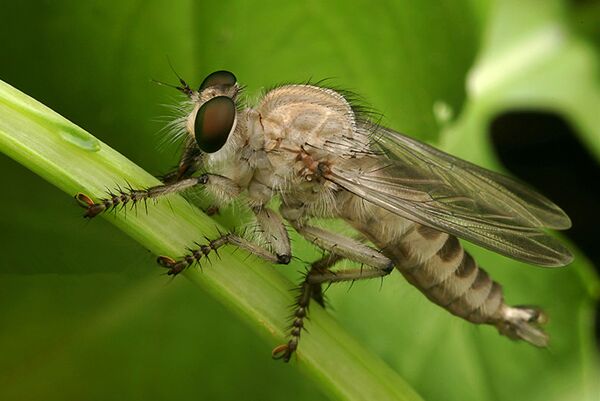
<point x="84" y="311"/>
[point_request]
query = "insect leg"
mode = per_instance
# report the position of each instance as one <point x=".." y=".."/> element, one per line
<point x="223" y="186"/>
<point x="274" y="232"/>
<point x="195" y="255"/>
<point x="318" y="274"/>
<point x="342" y="245"/>
<point x="307" y="291"/>
<point x="271" y="225"/>
<point x="190" y="161"/>
<point x="323" y="264"/>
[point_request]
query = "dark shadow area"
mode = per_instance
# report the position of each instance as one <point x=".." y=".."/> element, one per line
<point x="542" y="149"/>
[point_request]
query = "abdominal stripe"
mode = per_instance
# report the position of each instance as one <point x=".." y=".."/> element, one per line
<point x="450" y="250"/>
<point x="481" y="279"/>
<point x="466" y="266"/>
<point x="428" y="232"/>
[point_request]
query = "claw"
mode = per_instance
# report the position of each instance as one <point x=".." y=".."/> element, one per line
<point x="166" y="261"/>
<point x="282" y="352"/>
<point x="84" y="200"/>
<point x="174" y="266"/>
<point x="93" y="209"/>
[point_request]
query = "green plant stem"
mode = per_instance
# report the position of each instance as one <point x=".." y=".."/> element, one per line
<point x="75" y="161"/>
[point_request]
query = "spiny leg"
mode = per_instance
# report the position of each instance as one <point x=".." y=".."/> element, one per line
<point x="318" y="274"/>
<point x="307" y="291"/>
<point x="195" y="255"/>
<point x="217" y="183"/>
<point x="267" y="219"/>
<point x="322" y="265"/>
<point x="191" y="160"/>
<point x="227" y="190"/>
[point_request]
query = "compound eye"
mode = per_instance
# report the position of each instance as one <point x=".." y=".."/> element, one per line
<point x="214" y="122"/>
<point x="218" y="78"/>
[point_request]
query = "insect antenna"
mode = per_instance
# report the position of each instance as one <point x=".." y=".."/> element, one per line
<point x="184" y="88"/>
<point x="162" y="83"/>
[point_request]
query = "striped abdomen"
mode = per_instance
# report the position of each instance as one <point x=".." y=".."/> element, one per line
<point x="436" y="263"/>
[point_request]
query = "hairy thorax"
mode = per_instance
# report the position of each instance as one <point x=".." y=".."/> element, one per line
<point x="291" y="131"/>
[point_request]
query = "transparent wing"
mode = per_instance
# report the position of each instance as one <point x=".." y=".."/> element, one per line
<point x="426" y="185"/>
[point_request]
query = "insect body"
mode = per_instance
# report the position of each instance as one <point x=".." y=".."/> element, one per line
<point x="309" y="147"/>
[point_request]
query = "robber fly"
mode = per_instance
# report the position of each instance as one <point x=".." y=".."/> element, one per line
<point x="321" y="157"/>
